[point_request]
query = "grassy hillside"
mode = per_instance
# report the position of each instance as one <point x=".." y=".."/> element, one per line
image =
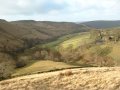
<point x="85" y="54"/>
<point x="84" y="39"/>
<point x="35" y="66"/>
<point x="101" y="78"/>
<point x="56" y="43"/>
<point x="46" y="30"/>
<point x="76" y="41"/>
<point x="115" y="53"/>
<point x="81" y="39"/>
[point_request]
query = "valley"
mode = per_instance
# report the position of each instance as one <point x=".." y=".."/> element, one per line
<point x="31" y="47"/>
<point x="85" y="46"/>
<point x="59" y="45"/>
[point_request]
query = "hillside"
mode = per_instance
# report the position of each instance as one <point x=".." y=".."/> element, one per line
<point x="19" y="33"/>
<point x="106" y="78"/>
<point x="49" y="29"/>
<point x="9" y="41"/>
<point x="102" y="24"/>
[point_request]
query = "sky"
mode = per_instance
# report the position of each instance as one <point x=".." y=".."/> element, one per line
<point x="60" y="10"/>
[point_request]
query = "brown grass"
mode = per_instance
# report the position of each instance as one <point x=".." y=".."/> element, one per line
<point x="74" y="79"/>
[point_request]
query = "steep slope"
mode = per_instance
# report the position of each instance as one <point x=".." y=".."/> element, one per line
<point x="102" y="24"/>
<point x="106" y="78"/>
<point x="9" y="40"/>
<point x="10" y="43"/>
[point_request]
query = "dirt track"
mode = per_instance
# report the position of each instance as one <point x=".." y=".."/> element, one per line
<point x="70" y="79"/>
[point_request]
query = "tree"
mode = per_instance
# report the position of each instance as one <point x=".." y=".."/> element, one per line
<point x="22" y="61"/>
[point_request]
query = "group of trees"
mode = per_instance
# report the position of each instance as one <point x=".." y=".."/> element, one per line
<point x="105" y="35"/>
<point x="72" y="56"/>
<point x="7" y="65"/>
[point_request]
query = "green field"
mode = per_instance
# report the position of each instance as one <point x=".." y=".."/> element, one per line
<point x="78" y="40"/>
<point x="56" y="43"/>
<point x="73" y="39"/>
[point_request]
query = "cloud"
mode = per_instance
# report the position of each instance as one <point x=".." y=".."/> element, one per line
<point x="60" y="10"/>
<point x="28" y="6"/>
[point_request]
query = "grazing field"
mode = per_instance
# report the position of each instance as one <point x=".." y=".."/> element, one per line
<point x="41" y="66"/>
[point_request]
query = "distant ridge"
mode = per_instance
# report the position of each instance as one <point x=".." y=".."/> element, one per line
<point x="102" y="24"/>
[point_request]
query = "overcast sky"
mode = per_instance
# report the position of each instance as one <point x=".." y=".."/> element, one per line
<point x="60" y="10"/>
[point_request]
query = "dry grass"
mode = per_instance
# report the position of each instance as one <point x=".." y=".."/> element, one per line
<point x="80" y="79"/>
<point x="115" y="53"/>
<point x="66" y="73"/>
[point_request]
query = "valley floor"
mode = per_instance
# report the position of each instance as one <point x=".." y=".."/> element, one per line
<point x="95" y="78"/>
